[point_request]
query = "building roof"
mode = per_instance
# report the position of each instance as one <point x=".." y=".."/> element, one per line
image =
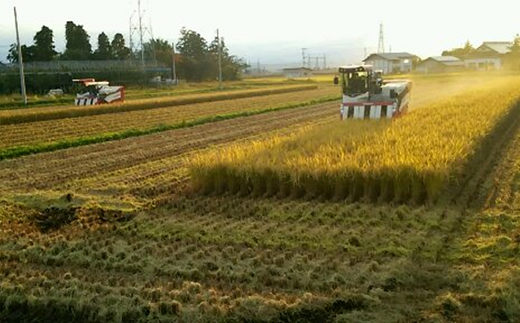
<point x="289" y="69"/>
<point x="389" y="56"/>
<point x="500" y="47"/>
<point x="445" y="60"/>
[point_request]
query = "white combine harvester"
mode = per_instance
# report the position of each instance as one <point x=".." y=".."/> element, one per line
<point x="93" y="93"/>
<point x="367" y="96"/>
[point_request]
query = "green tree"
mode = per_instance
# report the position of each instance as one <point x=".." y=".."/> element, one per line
<point x="231" y="65"/>
<point x="104" y="49"/>
<point x="12" y="55"/>
<point x="191" y="44"/>
<point x="213" y="47"/>
<point x="512" y="59"/>
<point x="119" y="50"/>
<point x="78" y="46"/>
<point x="43" y="48"/>
<point x="461" y="52"/>
<point x="159" y="50"/>
<point x="199" y="61"/>
<point x="195" y="63"/>
<point x="515" y="47"/>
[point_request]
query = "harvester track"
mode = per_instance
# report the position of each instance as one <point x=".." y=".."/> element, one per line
<point x="473" y="191"/>
<point x="476" y="190"/>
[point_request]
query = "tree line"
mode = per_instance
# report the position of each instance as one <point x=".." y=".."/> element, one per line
<point x="196" y="59"/>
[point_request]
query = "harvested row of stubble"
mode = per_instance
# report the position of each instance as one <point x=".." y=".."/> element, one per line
<point x="406" y="160"/>
<point x="232" y="248"/>
<point x="58" y="168"/>
<point x="44" y="132"/>
<point x="52" y="113"/>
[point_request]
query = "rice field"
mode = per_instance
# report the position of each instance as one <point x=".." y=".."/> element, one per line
<point x="39" y="132"/>
<point x="114" y="232"/>
<point x="410" y="159"/>
<point x="17" y="116"/>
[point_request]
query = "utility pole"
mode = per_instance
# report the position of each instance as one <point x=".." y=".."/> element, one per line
<point x="219" y="61"/>
<point x="303" y="56"/>
<point x="20" y="60"/>
<point x="130" y="43"/>
<point x="324" y="61"/>
<point x="140" y="32"/>
<point x="174" y="70"/>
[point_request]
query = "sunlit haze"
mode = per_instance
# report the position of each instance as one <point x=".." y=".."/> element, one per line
<point x="273" y="32"/>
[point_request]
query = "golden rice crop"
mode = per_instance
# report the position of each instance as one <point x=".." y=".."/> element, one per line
<point x="411" y="158"/>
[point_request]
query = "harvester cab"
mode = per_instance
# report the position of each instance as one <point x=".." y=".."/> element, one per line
<point x="366" y="96"/>
<point x="92" y="92"/>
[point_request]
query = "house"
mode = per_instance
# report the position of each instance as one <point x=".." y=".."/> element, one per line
<point x="391" y="62"/>
<point x="440" y="64"/>
<point x="488" y="56"/>
<point x="295" y="72"/>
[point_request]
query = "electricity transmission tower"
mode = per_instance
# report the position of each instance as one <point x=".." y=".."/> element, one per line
<point x="137" y="27"/>
<point x="317" y="60"/>
<point x="381" y="45"/>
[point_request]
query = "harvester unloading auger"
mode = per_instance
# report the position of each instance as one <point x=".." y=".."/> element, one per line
<point x="367" y="96"/>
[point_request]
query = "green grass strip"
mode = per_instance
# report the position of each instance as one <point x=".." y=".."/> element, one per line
<point x="19" y="151"/>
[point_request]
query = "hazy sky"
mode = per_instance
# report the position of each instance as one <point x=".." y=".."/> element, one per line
<point x="274" y="31"/>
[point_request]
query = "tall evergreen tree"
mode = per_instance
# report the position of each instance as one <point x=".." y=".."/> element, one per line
<point x="104" y="49"/>
<point x="43" y="48"/>
<point x="119" y="50"/>
<point x="78" y="46"/>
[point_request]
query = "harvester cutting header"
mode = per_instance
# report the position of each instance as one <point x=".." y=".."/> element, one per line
<point x="100" y="92"/>
<point x="367" y="96"/>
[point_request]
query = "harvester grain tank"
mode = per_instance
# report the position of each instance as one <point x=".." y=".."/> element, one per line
<point x="366" y="96"/>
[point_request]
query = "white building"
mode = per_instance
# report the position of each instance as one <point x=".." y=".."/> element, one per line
<point x="488" y="56"/>
<point x="391" y="63"/>
<point x="440" y="64"/>
<point x="295" y="72"/>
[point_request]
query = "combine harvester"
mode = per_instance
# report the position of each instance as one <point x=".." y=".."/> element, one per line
<point x="94" y="93"/>
<point x="367" y="96"/>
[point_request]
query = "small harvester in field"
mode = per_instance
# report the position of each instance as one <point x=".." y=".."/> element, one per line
<point x="94" y="92"/>
<point x="367" y="96"/>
